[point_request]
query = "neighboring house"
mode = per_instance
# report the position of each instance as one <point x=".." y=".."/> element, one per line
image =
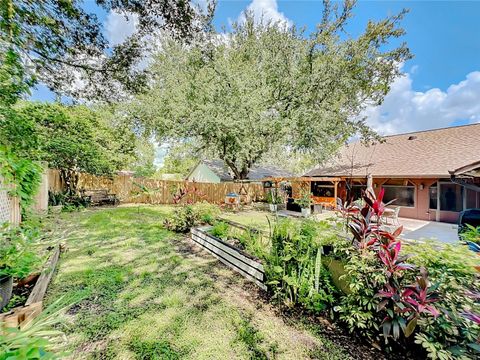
<point x="216" y="171"/>
<point x="433" y="175"/>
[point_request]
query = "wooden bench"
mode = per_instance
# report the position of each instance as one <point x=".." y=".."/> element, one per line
<point x="100" y="197"/>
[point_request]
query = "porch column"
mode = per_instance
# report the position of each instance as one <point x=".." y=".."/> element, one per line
<point x="335" y="183"/>
<point x="437" y="213"/>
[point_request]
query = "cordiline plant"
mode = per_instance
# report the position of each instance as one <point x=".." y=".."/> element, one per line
<point x="402" y="305"/>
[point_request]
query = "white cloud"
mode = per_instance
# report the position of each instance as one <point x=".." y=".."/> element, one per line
<point x="407" y="110"/>
<point x="120" y="26"/>
<point x="266" y="10"/>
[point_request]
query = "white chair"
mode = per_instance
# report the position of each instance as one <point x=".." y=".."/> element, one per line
<point x="392" y="215"/>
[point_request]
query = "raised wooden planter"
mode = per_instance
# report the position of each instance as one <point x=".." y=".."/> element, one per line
<point x="34" y="304"/>
<point x="240" y="261"/>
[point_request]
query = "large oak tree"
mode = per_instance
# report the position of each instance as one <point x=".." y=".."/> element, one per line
<point x="63" y="45"/>
<point x="265" y="87"/>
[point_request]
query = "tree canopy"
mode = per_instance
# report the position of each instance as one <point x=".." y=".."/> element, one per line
<point x="61" y="44"/>
<point x="74" y="139"/>
<point x="265" y="87"/>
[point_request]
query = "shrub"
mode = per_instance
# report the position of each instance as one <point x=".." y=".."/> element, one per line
<point x="452" y="268"/>
<point x="406" y="299"/>
<point x="358" y="308"/>
<point x="182" y="220"/>
<point x="16" y="256"/>
<point x="185" y="217"/>
<point x="206" y="212"/>
<point x="294" y="268"/>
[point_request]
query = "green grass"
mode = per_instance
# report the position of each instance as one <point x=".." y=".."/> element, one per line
<point x="147" y="293"/>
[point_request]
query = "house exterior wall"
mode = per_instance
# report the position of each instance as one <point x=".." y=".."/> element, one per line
<point x="422" y="210"/>
<point x="202" y="173"/>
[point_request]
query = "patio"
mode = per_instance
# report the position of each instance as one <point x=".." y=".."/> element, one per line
<point x="414" y="229"/>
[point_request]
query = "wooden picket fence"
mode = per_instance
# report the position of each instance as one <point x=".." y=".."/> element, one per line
<point x="151" y="191"/>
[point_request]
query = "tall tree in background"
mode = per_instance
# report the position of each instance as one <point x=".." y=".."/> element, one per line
<point x="265" y="86"/>
<point x="62" y="45"/>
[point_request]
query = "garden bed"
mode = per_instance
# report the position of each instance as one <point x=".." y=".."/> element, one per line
<point x="35" y="290"/>
<point x="240" y="261"/>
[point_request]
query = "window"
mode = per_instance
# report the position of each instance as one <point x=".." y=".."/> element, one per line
<point x="451" y="197"/>
<point x="403" y="195"/>
<point x="323" y="189"/>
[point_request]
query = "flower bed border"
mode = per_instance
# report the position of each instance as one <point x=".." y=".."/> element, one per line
<point x="245" y="264"/>
<point x="34" y="304"/>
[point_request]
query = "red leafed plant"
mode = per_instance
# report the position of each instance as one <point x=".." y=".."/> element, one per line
<point x="188" y="193"/>
<point x="402" y="304"/>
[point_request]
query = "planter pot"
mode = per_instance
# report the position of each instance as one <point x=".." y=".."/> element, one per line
<point x="273" y="207"/>
<point x="306" y="212"/>
<point x="6" y="287"/>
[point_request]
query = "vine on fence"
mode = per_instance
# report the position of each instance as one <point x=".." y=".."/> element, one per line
<point x="23" y="176"/>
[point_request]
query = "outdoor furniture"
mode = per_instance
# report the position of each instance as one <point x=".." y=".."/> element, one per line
<point x="391" y="213"/>
<point x="100" y="197"/>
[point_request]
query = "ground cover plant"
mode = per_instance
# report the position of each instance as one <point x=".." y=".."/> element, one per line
<point x="148" y="294"/>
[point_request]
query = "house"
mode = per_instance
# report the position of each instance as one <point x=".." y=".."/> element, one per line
<point x="216" y="171"/>
<point x="433" y="175"/>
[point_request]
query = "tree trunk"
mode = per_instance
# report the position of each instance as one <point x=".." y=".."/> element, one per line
<point x="69" y="178"/>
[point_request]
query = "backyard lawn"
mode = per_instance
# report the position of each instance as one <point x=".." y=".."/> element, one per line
<point x="148" y="293"/>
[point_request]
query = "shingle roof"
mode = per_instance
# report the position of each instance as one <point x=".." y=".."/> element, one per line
<point x="429" y="153"/>
<point x="257" y="172"/>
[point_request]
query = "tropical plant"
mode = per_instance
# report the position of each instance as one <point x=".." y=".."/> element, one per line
<point x="471" y="234"/>
<point x="266" y="86"/>
<point x="294" y="270"/>
<point x="402" y="304"/>
<point x="452" y="267"/>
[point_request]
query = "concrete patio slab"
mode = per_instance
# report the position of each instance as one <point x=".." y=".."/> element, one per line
<point x="420" y="230"/>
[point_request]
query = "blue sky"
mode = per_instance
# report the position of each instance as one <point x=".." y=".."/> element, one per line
<point x="441" y="86"/>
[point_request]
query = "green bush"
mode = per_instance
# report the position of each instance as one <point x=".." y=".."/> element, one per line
<point x="206" y="212"/>
<point x="16" y="256"/>
<point x="220" y="229"/>
<point x="364" y="278"/>
<point x="451" y="267"/>
<point x="294" y="268"/>
<point x="471" y="233"/>
<point x="185" y="217"/>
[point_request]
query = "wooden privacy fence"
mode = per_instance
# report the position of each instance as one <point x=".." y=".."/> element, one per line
<point x="151" y="191"/>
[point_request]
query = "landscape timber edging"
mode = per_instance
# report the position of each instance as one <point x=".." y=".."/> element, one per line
<point x="243" y="263"/>
<point x="34" y="304"/>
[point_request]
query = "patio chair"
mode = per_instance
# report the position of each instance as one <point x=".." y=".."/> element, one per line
<point x="392" y="215"/>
